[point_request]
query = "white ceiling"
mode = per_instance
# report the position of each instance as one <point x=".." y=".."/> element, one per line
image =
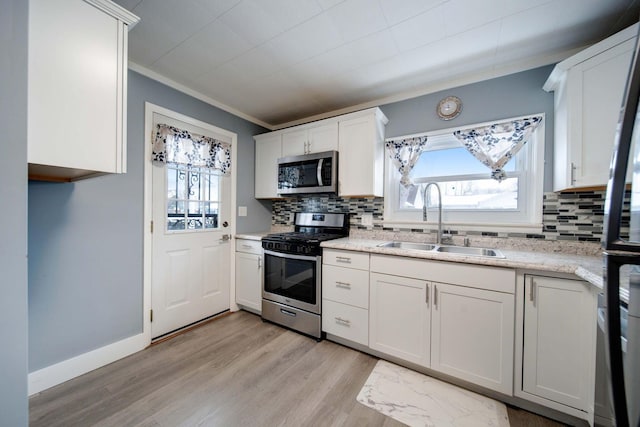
<point x="276" y="62"/>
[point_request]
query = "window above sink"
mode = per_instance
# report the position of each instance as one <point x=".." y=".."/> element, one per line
<point x="469" y="195"/>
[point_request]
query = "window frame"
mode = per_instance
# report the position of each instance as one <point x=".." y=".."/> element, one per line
<point x="526" y="218"/>
<point x="201" y="172"/>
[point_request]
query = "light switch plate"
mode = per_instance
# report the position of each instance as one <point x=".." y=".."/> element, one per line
<point x="242" y="211"/>
<point x="367" y="219"/>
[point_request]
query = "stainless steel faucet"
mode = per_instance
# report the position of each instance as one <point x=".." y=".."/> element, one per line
<point x="424" y="208"/>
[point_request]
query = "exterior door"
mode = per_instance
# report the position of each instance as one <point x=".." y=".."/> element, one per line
<point x="191" y="250"/>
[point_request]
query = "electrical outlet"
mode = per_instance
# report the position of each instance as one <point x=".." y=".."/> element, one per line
<point x="367" y="219"/>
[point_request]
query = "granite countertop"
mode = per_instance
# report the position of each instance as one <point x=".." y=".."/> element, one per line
<point x="256" y="235"/>
<point x="588" y="268"/>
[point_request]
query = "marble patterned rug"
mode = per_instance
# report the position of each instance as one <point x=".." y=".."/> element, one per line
<point x="419" y="400"/>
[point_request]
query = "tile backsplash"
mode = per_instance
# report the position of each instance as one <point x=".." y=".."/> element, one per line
<point x="568" y="216"/>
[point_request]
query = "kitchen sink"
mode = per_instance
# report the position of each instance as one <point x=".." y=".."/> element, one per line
<point x="409" y="245"/>
<point x="464" y="250"/>
<point x="460" y="250"/>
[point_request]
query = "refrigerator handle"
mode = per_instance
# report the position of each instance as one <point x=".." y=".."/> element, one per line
<point x="613" y="334"/>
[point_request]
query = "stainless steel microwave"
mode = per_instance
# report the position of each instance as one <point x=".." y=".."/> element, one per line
<point x="309" y="173"/>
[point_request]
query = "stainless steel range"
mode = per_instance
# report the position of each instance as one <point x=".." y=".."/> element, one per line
<point x="291" y="294"/>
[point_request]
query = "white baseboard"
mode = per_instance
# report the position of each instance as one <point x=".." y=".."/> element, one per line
<point x="67" y="369"/>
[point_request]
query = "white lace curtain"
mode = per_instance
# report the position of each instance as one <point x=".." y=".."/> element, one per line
<point x="494" y="145"/>
<point x="173" y="145"/>
<point x="405" y="153"/>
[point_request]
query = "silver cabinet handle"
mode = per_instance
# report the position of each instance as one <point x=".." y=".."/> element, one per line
<point x="427" y="298"/>
<point x="532" y="292"/>
<point x="343" y="285"/>
<point x="343" y="321"/>
<point x="246" y="246"/>
<point x="573" y="173"/>
<point x="435" y="296"/>
<point x="343" y="259"/>
<point x="259" y="263"/>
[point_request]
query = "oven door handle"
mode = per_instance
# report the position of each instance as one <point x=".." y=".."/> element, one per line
<point x="291" y="256"/>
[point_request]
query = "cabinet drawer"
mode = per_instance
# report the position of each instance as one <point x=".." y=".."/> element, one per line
<point x="359" y="260"/>
<point x="249" y="246"/>
<point x="345" y="285"/>
<point x="345" y="321"/>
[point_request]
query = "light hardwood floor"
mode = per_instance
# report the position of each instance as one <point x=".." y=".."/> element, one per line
<point x="234" y="371"/>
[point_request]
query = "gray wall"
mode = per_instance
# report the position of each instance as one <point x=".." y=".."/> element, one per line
<point x="503" y="97"/>
<point x="86" y="238"/>
<point x="13" y="196"/>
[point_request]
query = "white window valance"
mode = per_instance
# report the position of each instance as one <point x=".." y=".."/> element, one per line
<point x="404" y="154"/>
<point x="173" y="145"/>
<point x="495" y="144"/>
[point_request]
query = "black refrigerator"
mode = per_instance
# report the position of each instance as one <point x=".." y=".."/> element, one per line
<point x="621" y="242"/>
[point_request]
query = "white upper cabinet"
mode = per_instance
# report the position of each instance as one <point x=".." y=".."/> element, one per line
<point x="268" y="151"/>
<point x="588" y="93"/>
<point x="361" y="149"/>
<point x="310" y="139"/>
<point x="358" y="137"/>
<point x="77" y="88"/>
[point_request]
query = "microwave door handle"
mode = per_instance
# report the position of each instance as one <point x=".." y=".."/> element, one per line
<point x="319" y="172"/>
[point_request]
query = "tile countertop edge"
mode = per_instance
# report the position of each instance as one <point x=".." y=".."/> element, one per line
<point x="588" y="268"/>
<point x="257" y="235"/>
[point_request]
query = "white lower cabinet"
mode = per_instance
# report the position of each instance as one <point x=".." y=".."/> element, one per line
<point x="399" y="317"/>
<point x="249" y="274"/>
<point x="472" y="335"/>
<point x="558" y="359"/>
<point x="519" y="333"/>
<point x="346" y="321"/>
<point x="345" y="295"/>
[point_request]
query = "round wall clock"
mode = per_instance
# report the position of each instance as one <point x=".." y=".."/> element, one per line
<point x="449" y="108"/>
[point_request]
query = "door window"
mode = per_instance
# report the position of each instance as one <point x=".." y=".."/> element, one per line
<point x="193" y="198"/>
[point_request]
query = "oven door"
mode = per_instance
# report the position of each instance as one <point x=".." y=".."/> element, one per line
<point x="292" y="280"/>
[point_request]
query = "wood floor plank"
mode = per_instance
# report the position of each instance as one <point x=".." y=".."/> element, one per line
<point x="236" y="370"/>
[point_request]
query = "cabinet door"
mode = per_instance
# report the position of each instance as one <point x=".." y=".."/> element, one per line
<point x="249" y="280"/>
<point x="323" y="138"/>
<point x="309" y="140"/>
<point x="268" y="151"/>
<point x="595" y="91"/>
<point x="472" y="335"/>
<point x="77" y="68"/>
<point x="399" y="322"/>
<point x="361" y="162"/>
<point x="558" y="360"/>
<point x="294" y="142"/>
